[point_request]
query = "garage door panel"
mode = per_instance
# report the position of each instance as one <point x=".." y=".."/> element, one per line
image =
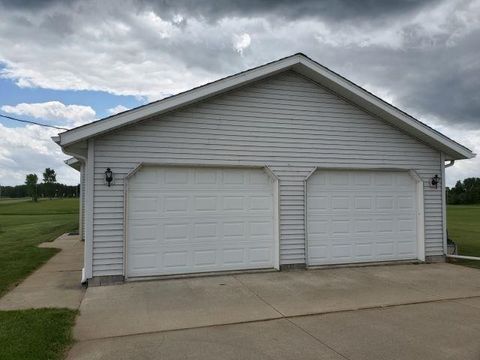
<point x="174" y="204"/>
<point x="407" y="248"/>
<point x="205" y="177"/>
<point x="384" y="179"/>
<point x="318" y="253"/>
<point x="359" y="202"/>
<point x="234" y="230"/>
<point x="208" y="230"/>
<point x="175" y="258"/>
<point x="233" y="203"/>
<point x="205" y="203"/>
<point x="362" y="178"/>
<point x="384" y="202"/>
<point x="174" y="232"/>
<point x="316" y="202"/>
<point x="364" y="202"/>
<point x="363" y="227"/>
<point x="176" y="176"/>
<point x="358" y="216"/>
<point x="406" y="202"/>
<point x="233" y="257"/>
<point x="204" y="219"/>
<point x="144" y="204"/>
<point x="364" y="250"/>
<point x="385" y="249"/>
<point x="260" y="255"/>
<point x="341" y="251"/>
<point x="260" y="203"/>
<point x="144" y="262"/>
<point x="144" y="232"/>
<point x="205" y="257"/>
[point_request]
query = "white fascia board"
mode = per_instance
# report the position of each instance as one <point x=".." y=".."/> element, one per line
<point x="375" y="105"/>
<point x="176" y="101"/>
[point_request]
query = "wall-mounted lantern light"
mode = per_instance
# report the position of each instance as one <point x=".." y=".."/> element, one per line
<point x="108" y="176"/>
<point x="434" y="181"/>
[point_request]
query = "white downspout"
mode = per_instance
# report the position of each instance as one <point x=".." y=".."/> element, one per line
<point x="444" y="204"/>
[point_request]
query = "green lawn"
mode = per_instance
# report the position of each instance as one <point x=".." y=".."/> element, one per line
<point x="464" y="228"/>
<point x="40" y="333"/>
<point x="35" y="334"/>
<point x="24" y="225"/>
<point x="13" y="200"/>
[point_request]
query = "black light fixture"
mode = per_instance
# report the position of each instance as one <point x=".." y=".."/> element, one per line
<point x="434" y="182"/>
<point x="108" y="176"/>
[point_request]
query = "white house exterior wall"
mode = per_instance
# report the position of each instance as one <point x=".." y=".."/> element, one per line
<point x="286" y="122"/>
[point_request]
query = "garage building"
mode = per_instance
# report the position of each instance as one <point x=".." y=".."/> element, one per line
<point x="284" y="165"/>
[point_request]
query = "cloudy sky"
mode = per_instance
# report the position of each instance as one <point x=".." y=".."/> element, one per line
<point x="66" y="63"/>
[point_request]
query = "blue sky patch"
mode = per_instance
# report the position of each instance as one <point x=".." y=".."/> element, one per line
<point x="100" y="101"/>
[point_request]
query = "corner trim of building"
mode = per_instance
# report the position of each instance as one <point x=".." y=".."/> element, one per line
<point x="89" y="209"/>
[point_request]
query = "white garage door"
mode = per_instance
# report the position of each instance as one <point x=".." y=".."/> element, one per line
<point x="361" y="216"/>
<point x="187" y="220"/>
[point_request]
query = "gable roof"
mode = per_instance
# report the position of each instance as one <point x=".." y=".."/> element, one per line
<point x="302" y="65"/>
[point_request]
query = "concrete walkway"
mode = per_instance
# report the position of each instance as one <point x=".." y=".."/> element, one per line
<point x="55" y="284"/>
<point x="394" y="312"/>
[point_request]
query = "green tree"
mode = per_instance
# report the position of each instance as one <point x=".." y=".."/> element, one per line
<point x="465" y="192"/>
<point x="49" y="179"/>
<point x="31" y="182"/>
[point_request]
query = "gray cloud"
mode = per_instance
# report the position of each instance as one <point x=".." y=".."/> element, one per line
<point x="218" y="9"/>
<point x="27" y="4"/>
<point x="439" y="81"/>
<point x="328" y="9"/>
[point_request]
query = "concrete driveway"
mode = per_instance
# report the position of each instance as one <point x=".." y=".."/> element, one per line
<point x="394" y="312"/>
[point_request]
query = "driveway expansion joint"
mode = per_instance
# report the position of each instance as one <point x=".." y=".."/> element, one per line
<point x="282" y="317"/>
<point x="317" y="339"/>
<point x="259" y="297"/>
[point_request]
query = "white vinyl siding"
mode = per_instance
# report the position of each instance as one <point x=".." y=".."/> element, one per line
<point x="286" y="122"/>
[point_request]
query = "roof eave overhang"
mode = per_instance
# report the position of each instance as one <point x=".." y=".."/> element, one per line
<point x="299" y="63"/>
<point x="74" y="163"/>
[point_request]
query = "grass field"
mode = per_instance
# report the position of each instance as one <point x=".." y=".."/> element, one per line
<point x="463" y="223"/>
<point x="24" y="225"/>
<point x="40" y="333"/>
<point x="13" y="200"/>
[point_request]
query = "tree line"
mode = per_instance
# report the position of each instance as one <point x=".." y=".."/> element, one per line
<point x="464" y="192"/>
<point x="49" y="188"/>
